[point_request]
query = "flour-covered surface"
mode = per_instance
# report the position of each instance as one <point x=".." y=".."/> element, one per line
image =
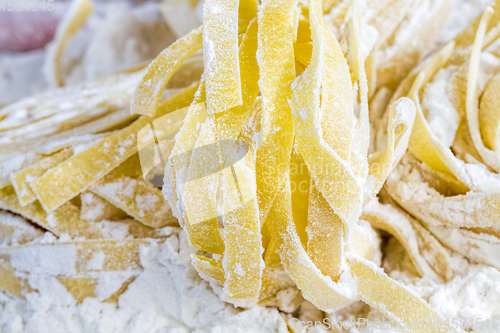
<point x="167" y="296"/>
<point x="86" y="245"/>
<point x="116" y="36"/>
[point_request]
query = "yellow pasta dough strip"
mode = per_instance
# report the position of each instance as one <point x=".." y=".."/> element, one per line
<point x="16" y="230"/>
<point x="10" y="282"/>
<point x="247" y="11"/>
<point x="326" y="167"/>
<point x="79" y="287"/>
<point x="275" y="55"/>
<point x="16" y="163"/>
<point x="388" y="16"/>
<point x="243" y="255"/>
<point x="96" y="209"/>
<point x="80" y="171"/>
<point x="482" y="247"/>
<point x="401" y="117"/>
<point x="388" y="218"/>
<point x="147" y="95"/>
<point x="73" y="20"/>
<point x="489" y="156"/>
<point x="199" y="199"/>
<point x="420" y="144"/>
<point x="136" y="198"/>
<point x="22" y="179"/>
<point x="361" y="131"/>
<point x="243" y="248"/>
<point x="220" y="55"/>
<point x="438" y="256"/>
<point x="64" y="220"/>
<point x="397" y="303"/>
<point x="303" y="52"/>
<point x="466" y="38"/>
<point x="329" y="4"/>
<point x="325" y="231"/>
<point x="316" y="287"/>
<point x="470" y="210"/>
<point x="336" y="115"/>
<point x="227" y="125"/>
<point x="414" y="37"/>
<point x="209" y="269"/>
<point x="204" y="235"/>
<point x="203" y="175"/>
<point x="489" y="118"/>
<point x="76" y="257"/>
<point x="300" y="183"/>
<point x="83" y="287"/>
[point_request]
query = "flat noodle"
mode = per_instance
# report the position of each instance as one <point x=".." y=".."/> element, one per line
<point x="82" y="287"/>
<point x="489" y="156"/>
<point x="469" y="210"/>
<point x="317" y="288"/>
<point x="227" y="126"/>
<point x="220" y="55"/>
<point x="96" y="209"/>
<point x="21" y="180"/>
<point x="16" y="163"/>
<point x="10" y="282"/>
<point x="303" y="52"/>
<point x="389" y="219"/>
<point x="73" y="20"/>
<point x="85" y="168"/>
<point x="247" y="11"/>
<point x="322" y="161"/>
<point x="243" y="255"/>
<point x="137" y="199"/>
<point x="420" y="144"/>
<point x="63" y="220"/>
<point x="300" y="182"/>
<point x="399" y="305"/>
<point x="325" y="245"/>
<point x="78" y="257"/>
<point x="242" y="259"/>
<point x="413" y="39"/>
<point x="180" y="16"/>
<point x="438" y="257"/>
<point x="482" y="247"/>
<point x="204" y="235"/>
<point x="209" y="269"/>
<point x="275" y="55"/>
<point x="360" y="146"/>
<point x="16" y="230"/>
<point x="489" y="118"/>
<point x="466" y="38"/>
<point x="147" y="95"/>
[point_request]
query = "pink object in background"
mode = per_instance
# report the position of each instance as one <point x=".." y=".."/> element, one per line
<point x="27" y="31"/>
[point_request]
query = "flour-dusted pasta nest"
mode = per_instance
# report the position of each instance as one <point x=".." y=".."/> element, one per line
<point x="330" y="155"/>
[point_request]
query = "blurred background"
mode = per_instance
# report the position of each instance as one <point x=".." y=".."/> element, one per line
<point x="115" y="36"/>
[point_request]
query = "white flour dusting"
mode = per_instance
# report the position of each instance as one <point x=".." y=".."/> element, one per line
<point x="168" y="296"/>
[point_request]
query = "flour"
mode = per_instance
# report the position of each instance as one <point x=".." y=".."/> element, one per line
<point x="167" y="296"/>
